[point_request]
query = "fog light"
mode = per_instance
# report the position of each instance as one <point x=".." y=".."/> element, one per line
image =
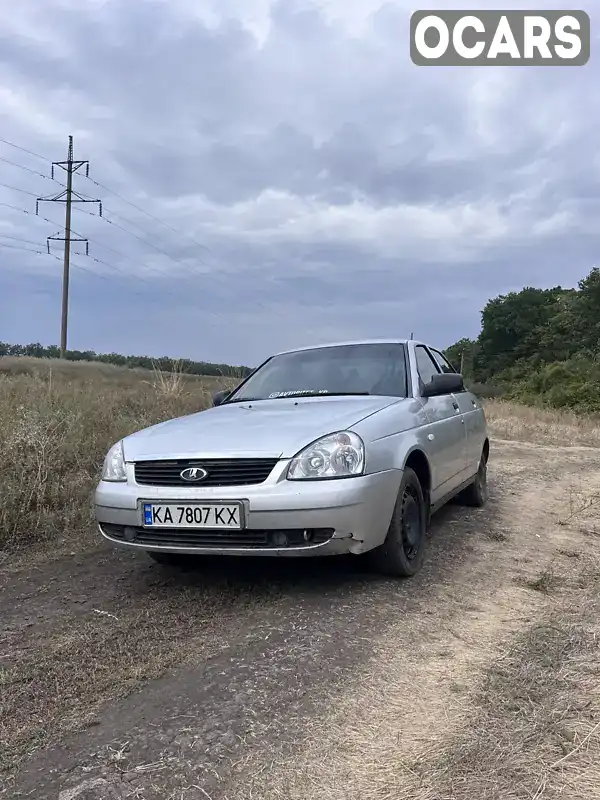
<point x="308" y="536"/>
<point x="280" y="539"/>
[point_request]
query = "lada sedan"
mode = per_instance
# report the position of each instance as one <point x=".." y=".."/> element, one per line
<point x="337" y="449"/>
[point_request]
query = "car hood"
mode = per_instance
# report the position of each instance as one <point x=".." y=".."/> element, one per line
<point x="276" y="428"/>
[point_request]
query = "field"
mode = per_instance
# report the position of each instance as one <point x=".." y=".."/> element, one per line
<point x="119" y="680"/>
<point x="57" y="420"/>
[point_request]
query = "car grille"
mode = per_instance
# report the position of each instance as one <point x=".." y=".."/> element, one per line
<point x="218" y="539"/>
<point x="221" y="472"/>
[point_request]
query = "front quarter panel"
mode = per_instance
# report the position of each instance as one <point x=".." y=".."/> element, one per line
<point x="391" y="434"/>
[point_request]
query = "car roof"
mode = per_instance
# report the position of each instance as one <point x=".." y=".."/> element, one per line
<point x="349" y="342"/>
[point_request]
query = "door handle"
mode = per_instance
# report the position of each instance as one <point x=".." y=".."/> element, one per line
<point x="455" y="406"/>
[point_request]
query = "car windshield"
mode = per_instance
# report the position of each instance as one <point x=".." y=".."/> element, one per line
<point x="356" y="369"/>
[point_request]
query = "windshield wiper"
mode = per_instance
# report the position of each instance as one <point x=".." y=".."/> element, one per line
<point x="242" y="400"/>
<point x="326" y="394"/>
<point x="295" y="394"/>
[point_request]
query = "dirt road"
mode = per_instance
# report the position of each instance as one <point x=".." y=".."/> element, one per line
<point x="305" y="680"/>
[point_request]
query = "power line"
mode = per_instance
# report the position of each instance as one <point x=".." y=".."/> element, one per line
<point x="93" y="258"/>
<point x="82" y="199"/>
<point x="95" y="241"/>
<point x="23" y="149"/>
<point x="68" y="197"/>
<point x="18" y="247"/>
<point x="139" y="279"/>
<point x="97" y="275"/>
<point x="115" y="194"/>
<point x="144" y="241"/>
<point x="32" y="171"/>
<point x="46" y="177"/>
<point x="17" y="239"/>
<point x="39" y="252"/>
<point x="113" y="213"/>
<point x="147" y="213"/>
<point x="61" y="197"/>
<point x="213" y="278"/>
<point x="16" y="189"/>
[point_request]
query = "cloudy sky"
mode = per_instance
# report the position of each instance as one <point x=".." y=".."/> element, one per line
<point x="294" y="177"/>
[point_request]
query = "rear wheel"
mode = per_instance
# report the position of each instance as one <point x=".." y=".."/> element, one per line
<point x="476" y="494"/>
<point x="401" y="555"/>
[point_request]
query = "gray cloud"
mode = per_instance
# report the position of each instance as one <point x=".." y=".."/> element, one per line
<point x="341" y="190"/>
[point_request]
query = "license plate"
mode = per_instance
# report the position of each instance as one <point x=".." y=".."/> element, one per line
<point x="192" y="515"/>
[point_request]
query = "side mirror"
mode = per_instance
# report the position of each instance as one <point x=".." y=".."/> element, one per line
<point x="220" y="396"/>
<point x="443" y="383"/>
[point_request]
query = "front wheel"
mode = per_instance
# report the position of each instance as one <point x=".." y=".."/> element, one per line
<point x="401" y="555"/>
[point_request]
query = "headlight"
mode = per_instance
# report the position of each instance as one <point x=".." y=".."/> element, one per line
<point x="339" y="455"/>
<point x="114" y="464"/>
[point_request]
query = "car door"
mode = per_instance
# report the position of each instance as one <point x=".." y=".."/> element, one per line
<point x="473" y="415"/>
<point x="446" y="425"/>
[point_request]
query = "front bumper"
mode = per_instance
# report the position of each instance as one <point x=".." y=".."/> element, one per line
<point x="350" y="515"/>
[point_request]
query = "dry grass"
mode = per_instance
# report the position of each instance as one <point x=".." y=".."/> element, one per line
<point x="505" y="710"/>
<point x="507" y="707"/>
<point x="534" y="723"/>
<point x="56" y="424"/>
<point x="521" y="423"/>
<point x="168" y="384"/>
<point x="57" y="420"/>
<point x="78" y="370"/>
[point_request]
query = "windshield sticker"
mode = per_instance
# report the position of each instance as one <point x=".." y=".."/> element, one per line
<point x="297" y="392"/>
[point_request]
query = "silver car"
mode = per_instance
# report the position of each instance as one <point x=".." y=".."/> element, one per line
<point x="341" y="448"/>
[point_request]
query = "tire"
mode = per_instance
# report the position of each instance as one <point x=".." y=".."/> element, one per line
<point x="476" y="494"/>
<point x="179" y="560"/>
<point x="401" y="555"/>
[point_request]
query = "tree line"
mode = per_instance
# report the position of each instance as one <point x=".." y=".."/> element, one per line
<point x="539" y="346"/>
<point x="166" y="364"/>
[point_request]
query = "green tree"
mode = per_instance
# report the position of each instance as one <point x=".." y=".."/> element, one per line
<point x="165" y="363"/>
<point x="587" y="313"/>
<point x="510" y="328"/>
<point x="462" y="355"/>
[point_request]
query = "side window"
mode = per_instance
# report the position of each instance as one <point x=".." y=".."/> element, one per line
<point x="442" y="361"/>
<point x="426" y="366"/>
